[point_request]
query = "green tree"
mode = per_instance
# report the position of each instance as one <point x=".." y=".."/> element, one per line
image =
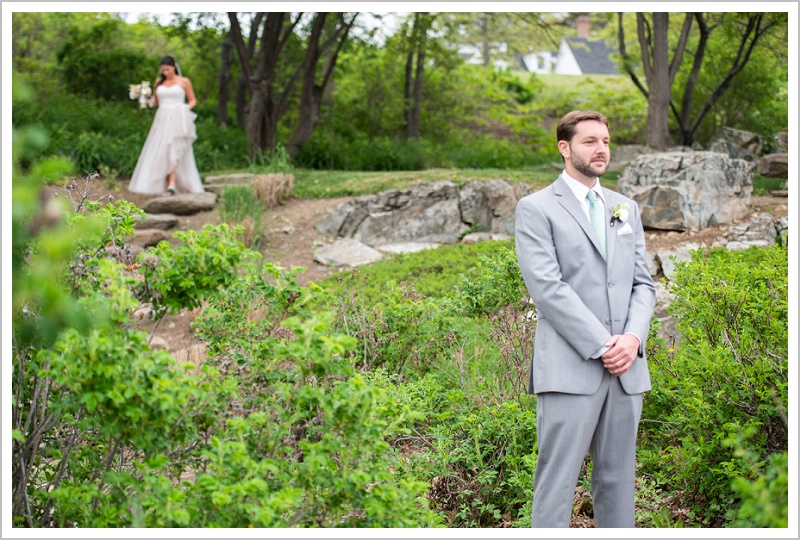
<point x="97" y="62"/>
<point x="276" y="69"/>
<point x="734" y="38"/>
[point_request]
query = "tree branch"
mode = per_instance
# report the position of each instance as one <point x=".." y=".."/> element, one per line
<point x="678" y="56"/>
<point x="238" y="41"/>
<point x="627" y="64"/>
<point x="644" y="45"/>
<point x="746" y="46"/>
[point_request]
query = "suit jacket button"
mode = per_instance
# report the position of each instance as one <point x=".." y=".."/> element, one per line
<point x="610" y="284"/>
<point x="608" y="321"/>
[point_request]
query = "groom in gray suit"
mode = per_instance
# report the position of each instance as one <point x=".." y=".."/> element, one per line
<point x="581" y="251"/>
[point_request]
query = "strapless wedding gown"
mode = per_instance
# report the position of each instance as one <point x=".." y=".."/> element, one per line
<point x="168" y="147"/>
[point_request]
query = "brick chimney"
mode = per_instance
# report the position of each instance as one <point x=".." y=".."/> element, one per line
<point x="583" y="25"/>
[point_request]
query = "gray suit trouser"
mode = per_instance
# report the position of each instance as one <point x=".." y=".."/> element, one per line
<point x="604" y="424"/>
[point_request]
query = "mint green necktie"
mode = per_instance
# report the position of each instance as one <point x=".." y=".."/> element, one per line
<point x="598" y="220"/>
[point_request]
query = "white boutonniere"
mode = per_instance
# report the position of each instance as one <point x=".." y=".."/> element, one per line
<point x="619" y="212"/>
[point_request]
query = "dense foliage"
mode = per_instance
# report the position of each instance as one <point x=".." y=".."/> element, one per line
<point x="470" y="116"/>
<point x="721" y="394"/>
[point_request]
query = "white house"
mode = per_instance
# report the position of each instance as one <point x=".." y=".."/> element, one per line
<point x="579" y="56"/>
<point x="539" y="62"/>
<point x="576" y="55"/>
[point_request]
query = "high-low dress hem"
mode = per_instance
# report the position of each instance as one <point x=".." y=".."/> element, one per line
<point x="168" y="147"/>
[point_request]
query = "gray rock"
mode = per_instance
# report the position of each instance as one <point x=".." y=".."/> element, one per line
<point x="624" y="154"/>
<point x="474" y="238"/>
<point x="427" y="212"/>
<point x="669" y="330"/>
<point x="688" y="190"/>
<point x="159" y="343"/>
<point x="146" y="237"/>
<point x="156" y="221"/>
<point x="653" y="264"/>
<point x="782" y="229"/>
<point x="490" y="206"/>
<point x="774" y="166"/>
<point x="731" y="150"/>
<point x="737" y="245"/>
<point x="424" y="212"/>
<point x="346" y="252"/>
<point x="144" y="312"/>
<point x="406" y="247"/>
<point x="667" y="259"/>
<point x="782" y="142"/>
<point x="663" y="300"/>
<point x="747" y="140"/>
<point x="237" y="178"/>
<point x="182" y="204"/>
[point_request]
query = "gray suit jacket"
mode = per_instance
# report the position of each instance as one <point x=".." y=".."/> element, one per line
<point x="582" y="299"/>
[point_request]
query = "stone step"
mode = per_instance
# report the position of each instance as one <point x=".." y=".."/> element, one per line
<point x="230" y="178"/>
<point x="219" y="188"/>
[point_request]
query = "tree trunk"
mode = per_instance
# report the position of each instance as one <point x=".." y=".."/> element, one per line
<point x="485" y="41"/>
<point x="413" y="126"/>
<point x="658" y="82"/>
<point x="225" y="80"/>
<point x="311" y="93"/>
<point x="407" y="92"/>
<point x="241" y="100"/>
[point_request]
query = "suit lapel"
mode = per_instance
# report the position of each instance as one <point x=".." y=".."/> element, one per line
<point x="567" y="199"/>
<point x="611" y="232"/>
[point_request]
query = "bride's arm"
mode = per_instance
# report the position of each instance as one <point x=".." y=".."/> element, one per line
<point x="190" y="98"/>
<point x="154" y="99"/>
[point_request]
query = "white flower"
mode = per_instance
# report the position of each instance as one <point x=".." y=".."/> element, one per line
<point x="619" y="212"/>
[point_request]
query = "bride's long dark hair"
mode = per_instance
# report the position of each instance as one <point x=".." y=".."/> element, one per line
<point x="167" y="61"/>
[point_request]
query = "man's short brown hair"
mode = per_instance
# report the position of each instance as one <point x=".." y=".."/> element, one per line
<point x="566" y="126"/>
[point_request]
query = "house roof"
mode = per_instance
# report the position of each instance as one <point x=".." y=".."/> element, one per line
<point x="593" y="57"/>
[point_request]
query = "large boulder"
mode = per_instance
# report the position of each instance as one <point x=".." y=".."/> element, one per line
<point x="490" y="206"/>
<point x="774" y="166"/>
<point x="782" y="142"/>
<point x="624" y="154"/>
<point x="182" y="204"/>
<point x="688" y="190"/>
<point x="747" y="140"/>
<point x="346" y="252"/>
<point x="427" y="213"/>
<point x="155" y="221"/>
<point x="736" y="152"/>
<point x="424" y="212"/>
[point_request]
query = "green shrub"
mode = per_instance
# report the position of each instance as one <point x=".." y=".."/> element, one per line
<point x="96" y="61"/>
<point x="764" y="499"/>
<point x="727" y="375"/>
<point x="432" y="276"/>
<point x="178" y="277"/>
<point x="763" y="185"/>
<point x="481" y="465"/>
<point x="495" y="282"/>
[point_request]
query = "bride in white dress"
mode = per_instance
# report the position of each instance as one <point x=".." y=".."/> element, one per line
<point x="167" y="158"/>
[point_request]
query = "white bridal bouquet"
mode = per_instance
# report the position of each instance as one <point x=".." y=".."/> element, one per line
<point x="141" y="92"/>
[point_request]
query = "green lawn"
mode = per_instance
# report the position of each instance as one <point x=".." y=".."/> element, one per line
<point x="316" y="184"/>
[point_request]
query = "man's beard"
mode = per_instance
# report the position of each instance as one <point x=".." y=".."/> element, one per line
<point x="584" y="167"/>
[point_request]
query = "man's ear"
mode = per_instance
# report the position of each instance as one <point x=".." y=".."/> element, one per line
<point x="563" y="147"/>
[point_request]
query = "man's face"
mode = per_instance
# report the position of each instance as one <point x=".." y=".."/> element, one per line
<point x="588" y="153"/>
